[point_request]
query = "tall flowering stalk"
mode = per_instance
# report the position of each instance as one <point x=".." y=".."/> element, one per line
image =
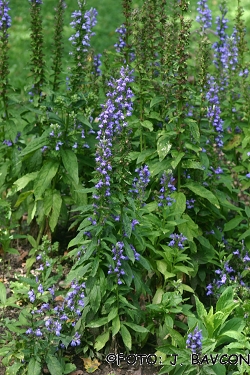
<point x="37" y="57"/>
<point x="83" y="22"/>
<point x="57" y="56"/>
<point x="5" y="23"/>
<point x="112" y="122"/>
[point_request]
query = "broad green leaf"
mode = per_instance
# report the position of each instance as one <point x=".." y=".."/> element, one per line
<point x="116" y="325"/>
<point x="129" y="251"/>
<point x="136" y="327"/>
<point x="44" y="178"/>
<point x="70" y="164"/>
<point x="95" y="298"/>
<point x="162" y="267"/>
<point x="192" y="164"/>
<point x="147" y="124"/>
<point x="234" y="324"/>
<point x="225" y="203"/>
<point x="144" y="155"/>
<point x="35" y="144"/>
<point x="158" y="296"/>
<point x="101" y="340"/>
<point x="98" y="323"/>
<point x="22" y="197"/>
<point x="23" y="181"/>
<point x="112" y="314"/>
<point x="56" y="208"/>
<point x="201" y="311"/>
<point x="225" y="299"/>
<point x="247" y="211"/>
<point x="189" y="228"/>
<point x="178" y="339"/>
<point x="145" y="263"/>
<point x="2" y="293"/>
<point x="127" y="226"/>
<point x="69" y="367"/>
<point x="54" y="365"/>
<point x="233" y="223"/>
<point x="180" y="203"/>
<point x="126" y="337"/>
<point x="245" y="235"/>
<point x="202" y="192"/>
<point x="34" y="367"/>
<point x="47" y="202"/>
<point x="14" y="369"/>
<point x="156" y="100"/>
<point x="194" y="129"/>
<point x="11" y="250"/>
<point x="163" y="147"/>
<point x="176" y="160"/>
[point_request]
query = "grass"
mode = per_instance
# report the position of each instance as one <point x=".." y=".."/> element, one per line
<point x="109" y="18"/>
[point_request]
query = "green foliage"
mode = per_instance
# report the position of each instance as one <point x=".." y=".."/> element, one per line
<point x="150" y="153"/>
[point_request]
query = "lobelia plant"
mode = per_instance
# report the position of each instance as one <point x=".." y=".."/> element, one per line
<point x="48" y="325"/>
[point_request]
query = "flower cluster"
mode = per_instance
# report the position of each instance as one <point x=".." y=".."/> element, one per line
<point x="221" y="47"/>
<point x="140" y="183"/>
<point x="35" y="1"/>
<point x="190" y="203"/>
<point x="194" y="341"/>
<point x="9" y="143"/>
<point x="5" y="19"/>
<point x="214" y="111"/>
<point x="177" y="240"/>
<point x="167" y="185"/>
<point x="122" y="36"/>
<point x="205" y="15"/>
<point x="83" y="25"/>
<point x="112" y="121"/>
<point x="52" y="316"/>
<point x="97" y="64"/>
<point x="74" y="138"/>
<point x="118" y="257"/>
<point x="229" y="275"/>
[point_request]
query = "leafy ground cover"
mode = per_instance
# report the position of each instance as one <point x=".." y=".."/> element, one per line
<point x="124" y="181"/>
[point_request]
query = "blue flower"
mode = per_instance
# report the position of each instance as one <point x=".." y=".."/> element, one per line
<point x="5" y="19"/>
<point x="205" y="16"/>
<point x="194" y="341"/>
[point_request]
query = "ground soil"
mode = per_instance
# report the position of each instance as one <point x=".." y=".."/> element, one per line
<point x="10" y="265"/>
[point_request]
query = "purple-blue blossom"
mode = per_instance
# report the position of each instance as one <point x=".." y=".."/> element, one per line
<point x="205" y="14"/>
<point x="167" y="186"/>
<point x="122" y="36"/>
<point x="5" y="19"/>
<point x="177" y="240"/>
<point x="83" y="25"/>
<point x="194" y="341"/>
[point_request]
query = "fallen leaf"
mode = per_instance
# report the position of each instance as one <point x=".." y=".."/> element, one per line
<point x="91" y="366"/>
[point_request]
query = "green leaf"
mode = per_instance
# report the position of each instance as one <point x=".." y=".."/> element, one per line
<point x="14" y="369"/>
<point x="2" y="293"/>
<point x="177" y="338"/>
<point x="136" y="327"/>
<point x="202" y="192"/>
<point x="116" y="325"/>
<point x="144" y="155"/>
<point x="244" y="235"/>
<point x="54" y="365"/>
<point x="45" y="175"/>
<point x="35" y="144"/>
<point x="56" y="208"/>
<point x="194" y="129"/>
<point x="101" y="340"/>
<point x="201" y="311"/>
<point x="156" y="100"/>
<point x="127" y="226"/>
<point x="233" y="223"/>
<point x="22" y="197"/>
<point x="23" y="181"/>
<point x="126" y="337"/>
<point x="180" y="203"/>
<point x="145" y="263"/>
<point x="112" y="314"/>
<point x="225" y="299"/>
<point x="147" y="124"/>
<point x="70" y="163"/>
<point x="11" y="250"/>
<point x="189" y="228"/>
<point x="163" y="147"/>
<point x="69" y="367"/>
<point x="192" y="164"/>
<point x="34" y="367"/>
<point x="158" y="296"/>
<point x="162" y="267"/>
<point x="176" y="160"/>
<point x="98" y="323"/>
